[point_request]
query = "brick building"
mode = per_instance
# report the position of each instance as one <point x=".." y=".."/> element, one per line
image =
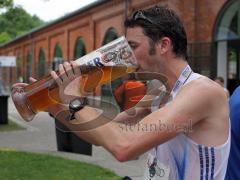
<point x="213" y="29"/>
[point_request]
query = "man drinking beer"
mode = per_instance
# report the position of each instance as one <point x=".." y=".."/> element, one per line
<point x="159" y="42"/>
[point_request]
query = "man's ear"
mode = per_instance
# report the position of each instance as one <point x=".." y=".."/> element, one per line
<point x="164" y="45"/>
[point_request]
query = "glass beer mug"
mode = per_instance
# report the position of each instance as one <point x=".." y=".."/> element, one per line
<point x="114" y="60"/>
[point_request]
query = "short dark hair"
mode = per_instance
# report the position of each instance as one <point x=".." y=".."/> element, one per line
<point x="160" y="21"/>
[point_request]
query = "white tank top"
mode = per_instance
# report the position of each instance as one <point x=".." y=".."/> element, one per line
<point x="183" y="159"/>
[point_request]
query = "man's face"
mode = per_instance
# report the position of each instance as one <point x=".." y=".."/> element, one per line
<point x="144" y="52"/>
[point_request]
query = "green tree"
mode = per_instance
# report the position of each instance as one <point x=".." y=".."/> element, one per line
<point x="4" y="37"/>
<point x="15" y="22"/>
<point x="6" y="3"/>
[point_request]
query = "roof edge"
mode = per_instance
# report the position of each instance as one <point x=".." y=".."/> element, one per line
<point x="71" y="14"/>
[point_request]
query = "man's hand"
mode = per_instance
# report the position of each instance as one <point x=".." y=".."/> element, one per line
<point x="18" y="85"/>
<point x="68" y="80"/>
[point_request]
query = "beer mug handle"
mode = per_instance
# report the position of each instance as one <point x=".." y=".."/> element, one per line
<point x="19" y="98"/>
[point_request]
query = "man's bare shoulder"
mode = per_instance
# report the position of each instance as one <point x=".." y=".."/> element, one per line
<point x="205" y="89"/>
<point x="199" y="99"/>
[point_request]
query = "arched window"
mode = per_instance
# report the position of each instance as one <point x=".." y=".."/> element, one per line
<point x="41" y="63"/>
<point x="4" y="76"/>
<point x="79" y="49"/>
<point x="29" y="66"/>
<point x="228" y="25"/>
<point x="11" y="75"/>
<point x="227" y="38"/>
<point x="57" y="57"/>
<point x="110" y="35"/>
<point x="19" y="70"/>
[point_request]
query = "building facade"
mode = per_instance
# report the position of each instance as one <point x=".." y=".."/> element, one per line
<point x="213" y="30"/>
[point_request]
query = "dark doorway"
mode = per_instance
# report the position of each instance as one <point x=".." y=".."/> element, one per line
<point x="233" y="63"/>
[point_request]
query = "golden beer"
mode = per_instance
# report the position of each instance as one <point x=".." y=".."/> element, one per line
<point x="101" y="66"/>
<point x="41" y="96"/>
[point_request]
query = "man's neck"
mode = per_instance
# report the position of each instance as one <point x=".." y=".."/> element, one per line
<point x="173" y="70"/>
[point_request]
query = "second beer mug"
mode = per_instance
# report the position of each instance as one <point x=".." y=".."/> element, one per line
<point x="114" y="60"/>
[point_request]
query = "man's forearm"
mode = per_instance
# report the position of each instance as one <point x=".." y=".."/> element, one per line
<point x="90" y="125"/>
<point x="97" y="129"/>
<point x="132" y="116"/>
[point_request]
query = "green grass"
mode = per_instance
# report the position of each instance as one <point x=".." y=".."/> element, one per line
<point x="11" y="126"/>
<point x="23" y="166"/>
